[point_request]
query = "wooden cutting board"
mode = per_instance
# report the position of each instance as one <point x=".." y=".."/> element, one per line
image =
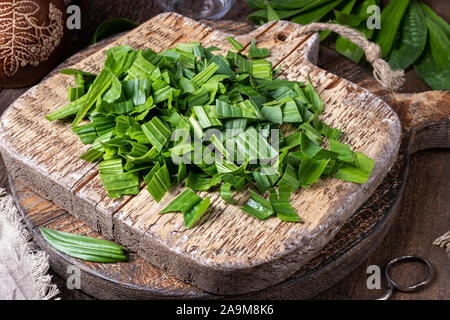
<point x="231" y="252"/>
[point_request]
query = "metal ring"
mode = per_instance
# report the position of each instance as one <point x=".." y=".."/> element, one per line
<point x="413" y="287"/>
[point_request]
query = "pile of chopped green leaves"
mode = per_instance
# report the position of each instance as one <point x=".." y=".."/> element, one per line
<point x="130" y="111"/>
<point x="411" y="33"/>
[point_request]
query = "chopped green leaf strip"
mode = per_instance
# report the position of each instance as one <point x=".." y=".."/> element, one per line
<point x="225" y="193"/>
<point x="255" y="52"/>
<point x="69" y="110"/>
<point x="141" y="68"/>
<point x="265" y="178"/>
<point x="310" y="171"/>
<point x="359" y="173"/>
<point x="119" y="184"/>
<point x="351" y="174"/>
<point x="192" y="216"/>
<point x="313" y="98"/>
<point x="100" y="85"/>
<point x="183" y="203"/>
<point x="205" y="74"/>
<point x="290" y="177"/>
<point x="344" y="152"/>
<point x="258" y="207"/>
<point x="281" y="204"/>
<point x="75" y="93"/>
<point x="262" y="69"/>
<point x="201" y="182"/>
<point x="311" y="133"/>
<point x="291" y="112"/>
<point x="86" y="133"/>
<point x="159" y="183"/>
<point x="182" y="171"/>
<point x="91" y="155"/>
<point x="156" y="132"/>
<point x="236" y="45"/>
<point x="111" y="166"/>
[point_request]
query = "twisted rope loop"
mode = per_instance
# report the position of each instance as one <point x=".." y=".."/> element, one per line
<point x="388" y="78"/>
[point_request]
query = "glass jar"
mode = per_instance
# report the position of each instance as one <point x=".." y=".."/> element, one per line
<point x="198" y="9"/>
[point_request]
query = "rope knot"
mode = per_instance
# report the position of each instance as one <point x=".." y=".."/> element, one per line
<point x="373" y="52"/>
<point x="388" y="78"/>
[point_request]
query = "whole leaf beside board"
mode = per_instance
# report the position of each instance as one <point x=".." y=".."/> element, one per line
<point x="391" y="18"/>
<point x="348" y="48"/>
<point x="148" y="115"/>
<point x="85" y="248"/>
<point x="411" y="33"/>
<point x="413" y="37"/>
<point x="346" y="9"/>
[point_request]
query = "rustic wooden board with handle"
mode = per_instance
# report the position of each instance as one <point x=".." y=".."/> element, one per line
<point x="231" y="252"/>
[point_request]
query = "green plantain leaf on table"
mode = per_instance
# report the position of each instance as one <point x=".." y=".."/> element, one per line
<point x="390" y="18"/>
<point x="345" y="10"/>
<point x="411" y="33"/>
<point x="348" y="48"/>
<point x="413" y="38"/>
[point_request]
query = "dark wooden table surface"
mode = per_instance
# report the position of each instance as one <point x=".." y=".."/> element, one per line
<point x="426" y="208"/>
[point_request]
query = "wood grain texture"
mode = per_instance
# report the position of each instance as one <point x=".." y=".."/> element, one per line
<point x="138" y="279"/>
<point x="210" y="255"/>
<point x="425" y="207"/>
<point x="425" y="215"/>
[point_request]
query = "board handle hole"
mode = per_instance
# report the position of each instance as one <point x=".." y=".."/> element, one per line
<point x="282" y="36"/>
